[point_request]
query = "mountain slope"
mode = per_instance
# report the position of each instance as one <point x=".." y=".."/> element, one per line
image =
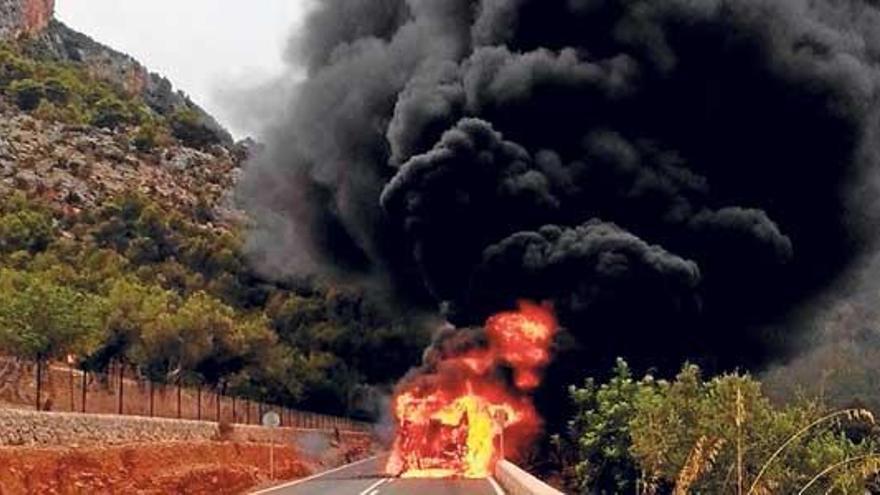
<point x="120" y="241"/>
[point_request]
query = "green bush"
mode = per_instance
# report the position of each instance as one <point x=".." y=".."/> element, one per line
<point x="13" y="67"/>
<point x="25" y="231"/>
<point x="111" y="113"/>
<point x="27" y="93"/>
<point x="147" y="137"/>
<point x="42" y="319"/>
<point x="58" y="90"/>
<point x="188" y="127"/>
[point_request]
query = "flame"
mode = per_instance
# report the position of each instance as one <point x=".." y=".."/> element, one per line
<point x="461" y="419"/>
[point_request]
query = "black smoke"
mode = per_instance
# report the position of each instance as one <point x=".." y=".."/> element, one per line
<point x="676" y="176"/>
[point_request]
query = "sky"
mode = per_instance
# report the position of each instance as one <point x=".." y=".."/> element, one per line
<point x="211" y="49"/>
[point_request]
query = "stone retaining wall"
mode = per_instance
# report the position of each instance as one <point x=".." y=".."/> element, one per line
<point x="30" y="428"/>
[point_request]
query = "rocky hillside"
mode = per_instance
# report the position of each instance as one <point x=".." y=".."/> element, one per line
<point x="78" y="167"/>
<point x="120" y="241"/>
<point x="81" y="122"/>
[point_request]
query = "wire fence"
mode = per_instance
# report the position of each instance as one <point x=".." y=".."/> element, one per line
<point x="60" y="388"/>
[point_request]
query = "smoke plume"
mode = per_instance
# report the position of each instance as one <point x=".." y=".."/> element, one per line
<point x="677" y="177"/>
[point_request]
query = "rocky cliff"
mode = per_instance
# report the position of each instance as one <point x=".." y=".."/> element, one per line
<point x="24" y="17"/>
<point x="59" y="42"/>
<point x="32" y="23"/>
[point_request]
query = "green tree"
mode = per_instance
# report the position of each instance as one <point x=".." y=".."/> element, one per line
<point x="42" y="320"/>
<point x="205" y="340"/>
<point x="601" y="433"/>
<point x="130" y="308"/>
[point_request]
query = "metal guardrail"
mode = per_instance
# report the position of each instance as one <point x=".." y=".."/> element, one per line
<point x="516" y="481"/>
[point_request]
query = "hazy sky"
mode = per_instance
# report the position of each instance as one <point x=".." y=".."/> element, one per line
<point x="205" y="47"/>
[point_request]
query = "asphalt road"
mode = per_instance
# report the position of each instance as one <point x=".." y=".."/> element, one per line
<point x="368" y="478"/>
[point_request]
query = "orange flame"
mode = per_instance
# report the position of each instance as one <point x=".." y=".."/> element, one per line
<point x="461" y="419"/>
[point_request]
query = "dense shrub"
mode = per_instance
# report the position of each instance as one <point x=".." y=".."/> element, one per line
<point x="57" y="90"/>
<point x="110" y="112"/>
<point x="693" y="435"/>
<point x="27" y="93"/>
<point x="26" y="230"/>
<point x="191" y="129"/>
<point x="148" y="136"/>
<point x="13" y="67"/>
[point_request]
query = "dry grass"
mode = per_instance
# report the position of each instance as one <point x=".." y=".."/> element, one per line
<point x="854" y="414"/>
<point x="700" y="461"/>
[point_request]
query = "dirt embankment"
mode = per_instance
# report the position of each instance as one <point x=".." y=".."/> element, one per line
<point x="72" y="454"/>
<point x="214" y="468"/>
<point x="204" y="468"/>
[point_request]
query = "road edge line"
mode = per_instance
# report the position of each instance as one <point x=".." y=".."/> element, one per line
<point x="372" y="488"/>
<point x="314" y="476"/>
<point x="496" y="486"/>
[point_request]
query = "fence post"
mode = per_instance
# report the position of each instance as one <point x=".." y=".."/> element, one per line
<point x="85" y="386"/>
<point x="121" y="388"/>
<point x="152" y="398"/>
<point x="218" y="406"/>
<point x="72" y="388"/>
<point x="199" y="402"/>
<point x="179" y="399"/>
<point x="234" y="419"/>
<point x="39" y="383"/>
<point x="247" y="411"/>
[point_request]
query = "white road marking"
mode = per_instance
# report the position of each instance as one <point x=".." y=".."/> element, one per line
<point x="314" y="476"/>
<point x="496" y="486"/>
<point x="372" y="489"/>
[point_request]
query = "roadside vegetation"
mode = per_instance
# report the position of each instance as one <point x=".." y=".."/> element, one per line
<point x="137" y="284"/>
<point x="718" y="435"/>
